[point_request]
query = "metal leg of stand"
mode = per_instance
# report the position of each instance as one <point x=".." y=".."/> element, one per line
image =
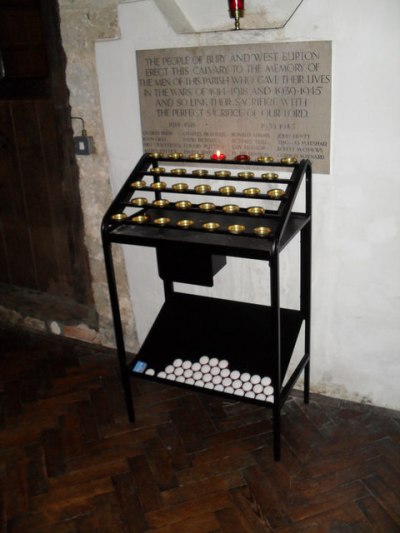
<point x="276" y="350"/>
<point x="119" y="335"/>
<point x="305" y="276"/>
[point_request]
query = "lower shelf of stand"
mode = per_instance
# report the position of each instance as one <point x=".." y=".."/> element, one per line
<point x="188" y="327"/>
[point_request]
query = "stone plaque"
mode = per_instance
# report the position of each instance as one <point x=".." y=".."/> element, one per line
<point x="257" y="99"/>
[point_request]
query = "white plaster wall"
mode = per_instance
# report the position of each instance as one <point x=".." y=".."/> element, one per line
<point x="356" y="250"/>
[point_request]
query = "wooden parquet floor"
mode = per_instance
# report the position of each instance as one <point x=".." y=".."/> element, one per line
<point x="71" y="462"/>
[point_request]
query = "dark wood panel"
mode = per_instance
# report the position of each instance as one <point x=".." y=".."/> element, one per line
<point x="31" y="160"/>
<point x="16" y="233"/>
<point x="62" y="283"/>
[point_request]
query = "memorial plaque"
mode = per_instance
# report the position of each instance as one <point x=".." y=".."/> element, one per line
<point x="257" y="99"/>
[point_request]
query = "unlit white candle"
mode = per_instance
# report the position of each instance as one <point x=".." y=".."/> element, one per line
<point x="150" y="372"/>
<point x="178" y="371"/>
<point x="258" y="388"/>
<point x="216" y="380"/>
<point x="266" y="381"/>
<point x="268" y="390"/>
<point x="204" y="360"/>
<point x="169" y="369"/>
<point x="180" y="379"/>
<point x="235" y="374"/>
<point x="215" y="370"/>
<point x="239" y="392"/>
<point x="249" y="394"/>
<point x="213" y="361"/>
<point x="205" y="369"/>
<point x="162" y="374"/>
<point x="245" y="377"/>
<point x="226" y="382"/>
<point x="247" y="386"/>
<point x="208" y="385"/>
<point x="223" y="363"/>
<point x="229" y="390"/>
<point x="188" y="373"/>
<point x="255" y="378"/>
<point x="236" y="384"/>
<point x="187" y="364"/>
<point x="199" y="383"/>
<point x="196" y="367"/>
<point x="219" y="387"/>
<point x="177" y="362"/>
<point x="197" y="375"/>
<point x="225" y="372"/>
<point x="261" y="397"/>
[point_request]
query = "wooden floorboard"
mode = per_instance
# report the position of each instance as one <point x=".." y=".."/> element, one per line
<point x="71" y="462"/>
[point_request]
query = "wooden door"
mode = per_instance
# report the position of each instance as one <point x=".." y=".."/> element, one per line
<point x="41" y="227"/>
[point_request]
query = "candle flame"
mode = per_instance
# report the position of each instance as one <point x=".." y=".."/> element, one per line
<point x="218" y="153"/>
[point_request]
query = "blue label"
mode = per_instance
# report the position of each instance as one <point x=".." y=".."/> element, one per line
<point x="140" y="367"/>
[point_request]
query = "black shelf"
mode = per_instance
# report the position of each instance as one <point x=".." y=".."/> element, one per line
<point x="190" y="326"/>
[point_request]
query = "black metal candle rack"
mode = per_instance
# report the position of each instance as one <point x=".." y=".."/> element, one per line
<point x="192" y="238"/>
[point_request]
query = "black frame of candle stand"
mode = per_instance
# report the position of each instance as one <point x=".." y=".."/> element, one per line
<point x="288" y="224"/>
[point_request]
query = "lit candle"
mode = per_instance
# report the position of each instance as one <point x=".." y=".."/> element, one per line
<point x="218" y="156"/>
<point x="242" y="157"/>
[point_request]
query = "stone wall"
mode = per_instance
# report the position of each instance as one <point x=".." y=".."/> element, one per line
<point x="83" y="22"/>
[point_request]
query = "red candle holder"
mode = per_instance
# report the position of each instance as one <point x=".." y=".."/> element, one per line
<point x="218" y="156"/>
<point x="242" y="157"/>
<point x="236" y="10"/>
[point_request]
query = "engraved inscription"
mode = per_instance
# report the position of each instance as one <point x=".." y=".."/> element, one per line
<point x="258" y="99"/>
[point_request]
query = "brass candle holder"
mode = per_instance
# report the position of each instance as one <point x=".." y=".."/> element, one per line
<point x="185" y="223"/>
<point x="163" y="221"/>
<point x="276" y="194"/>
<point x="222" y="173"/>
<point x="270" y="176"/>
<point x="158" y="185"/>
<point x="236" y="228"/>
<point x="200" y="172"/>
<point x="157" y="170"/>
<point x="230" y="209"/>
<point x="180" y="187"/>
<point x="207" y="206"/>
<point x="175" y="155"/>
<point x="202" y="189"/>
<point x="262" y="231"/>
<point x="140" y="219"/>
<point x="196" y="157"/>
<point x="265" y="159"/>
<point x="251" y="191"/>
<point x="227" y="190"/>
<point x="119" y="216"/>
<point x="246" y="175"/>
<point x="289" y="160"/>
<point x="139" y="202"/>
<point x="161" y="203"/>
<point x="182" y="205"/>
<point x="256" y="211"/>
<point x="138" y="184"/>
<point x="211" y="226"/>
<point x="178" y="171"/>
<point x="156" y="155"/>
